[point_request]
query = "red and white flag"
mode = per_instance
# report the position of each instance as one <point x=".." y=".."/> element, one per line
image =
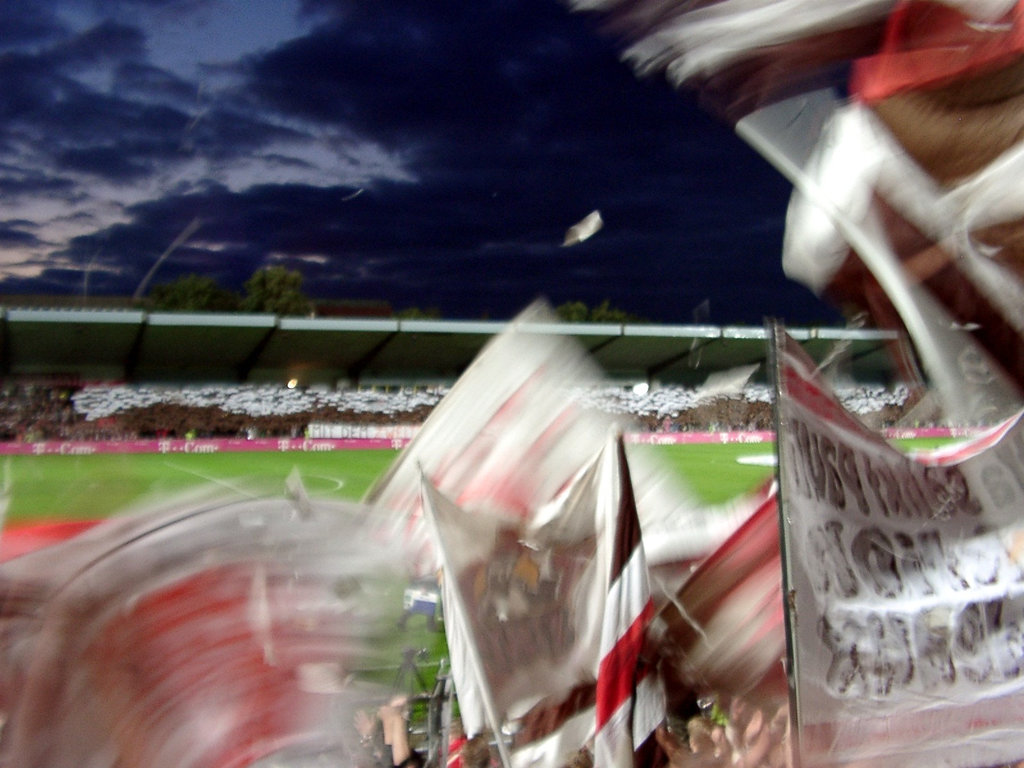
<point x="904" y="595"/>
<point x="520" y="610"/>
<point x="742" y="55"/>
<point x="512" y="434"/>
<point x="907" y="203"/>
<point x="628" y="703"/>
<point x="546" y="623"/>
<point x="215" y="631"/>
<point x="504" y="440"/>
<point x="555" y="729"/>
<point x="723" y="632"/>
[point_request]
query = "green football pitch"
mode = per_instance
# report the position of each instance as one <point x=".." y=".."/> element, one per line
<point x="99" y="485"/>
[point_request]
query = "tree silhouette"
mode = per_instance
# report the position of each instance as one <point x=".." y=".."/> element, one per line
<point x="276" y="290"/>
<point x="194" y="293"/>
<point x="578" y="312"/>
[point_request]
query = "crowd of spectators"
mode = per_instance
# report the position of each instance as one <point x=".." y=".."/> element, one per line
<point x="34" y="412"/>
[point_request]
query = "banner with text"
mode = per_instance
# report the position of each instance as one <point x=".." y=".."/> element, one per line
<point x="906" y="586"/>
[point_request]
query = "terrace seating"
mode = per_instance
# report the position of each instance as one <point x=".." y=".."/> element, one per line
<point x="114" y="411"/>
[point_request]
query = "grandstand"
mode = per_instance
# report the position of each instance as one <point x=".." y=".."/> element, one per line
<point x="113" y="374"/>
<point x="78" y="346"/>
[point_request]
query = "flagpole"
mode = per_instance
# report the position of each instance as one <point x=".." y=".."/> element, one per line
<point x="775" y="336"/>
<point x="460" y="611"/>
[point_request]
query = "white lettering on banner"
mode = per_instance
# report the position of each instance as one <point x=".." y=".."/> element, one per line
<point x="312" y="446"/>
<point x="191" y="447"/>
<point x="73" y="449"/>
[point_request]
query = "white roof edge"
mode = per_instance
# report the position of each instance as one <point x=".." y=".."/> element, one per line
<point x="223" y="320"/>
<point x="383" y="325"/>
<point x="111" y="316"/>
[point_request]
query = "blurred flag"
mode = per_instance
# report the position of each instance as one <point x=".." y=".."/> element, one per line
<point x="545" y="623"/>
<point x="518" y="612"/>
<point x="506" y="438"/>
<point x="19" y="540"/>
<point x="899" y="124"/>
<point x="940" y="178"/>
<point x="904" y="598"/>
<point x="511" y="435"/>
<point x="555" y="729"/>
<point x="741" y="55"/>
<point x="214" y="632"/>
<point x="723" y="632"/>
<point x="629" y="705"/>
<point x="726" y="383"/>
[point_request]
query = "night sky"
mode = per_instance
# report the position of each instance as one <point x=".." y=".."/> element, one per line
<point x="427" y="153"/>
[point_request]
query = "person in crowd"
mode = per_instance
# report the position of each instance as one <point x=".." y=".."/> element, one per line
<point x="749" y="737"/>
<point x="476" y="753"/>
<point x="372" y="752"/>
<point x="394" y="720"/>
<point x="456" y="738"/>
<point x="582" y="758"/>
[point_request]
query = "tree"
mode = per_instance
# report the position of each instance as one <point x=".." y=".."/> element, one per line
<point x="605" y="313"/>
<point x="194" y="293"/>
<point x="573" y="312"/>
<point x="578" y="312"/>
<point x="276" y="290"/>
<point x="415" y="313"/>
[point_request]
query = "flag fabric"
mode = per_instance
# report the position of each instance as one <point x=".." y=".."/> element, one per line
<point x="741" y="55"/>
<point x="21" y="539"/>
<point x="511" y="435"/>
<point x="540" y="634"/>
<point x="723" y="632"/>
<point x="215" y="632"/>
<point x="907" y="204"/>
<point x="506" y="438"/>
<point x="675" y="549"/>
<point x="934" y="124"/>
<point x="520" y="614"/>
<point x="627" y="697"/>
<point x="904" y="586"/>
<point x="555" y="729"/>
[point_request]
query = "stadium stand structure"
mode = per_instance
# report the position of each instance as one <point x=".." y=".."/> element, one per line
<point x="122" y="411"/>
<point x="111" y="374"/>
<point x="86" y="345"/>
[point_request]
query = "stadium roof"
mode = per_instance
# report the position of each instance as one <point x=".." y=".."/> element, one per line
<point x="153" y="347"/>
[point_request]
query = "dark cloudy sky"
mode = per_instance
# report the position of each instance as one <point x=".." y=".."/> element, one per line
<point x="429" y="153"/>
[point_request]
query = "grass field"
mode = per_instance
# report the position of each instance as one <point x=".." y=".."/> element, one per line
<point x="89" y="487"/>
